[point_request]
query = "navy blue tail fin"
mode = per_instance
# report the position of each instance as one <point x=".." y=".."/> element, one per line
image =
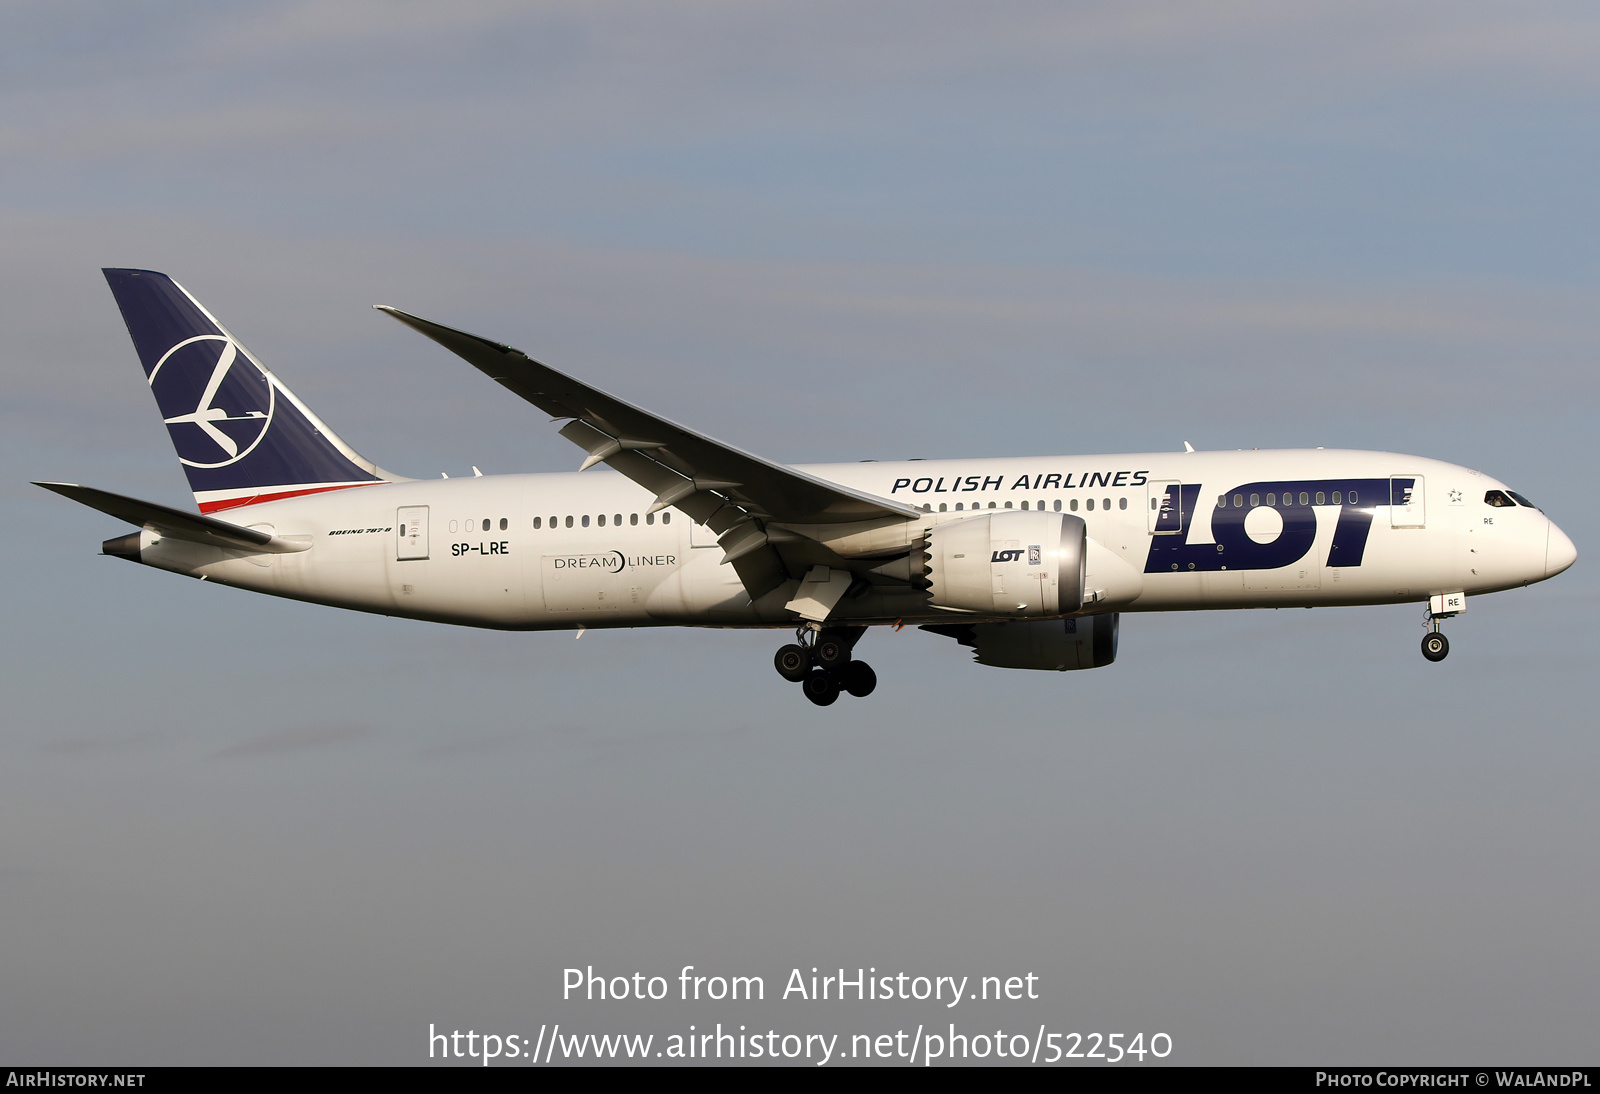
<point x="241" y="435"/>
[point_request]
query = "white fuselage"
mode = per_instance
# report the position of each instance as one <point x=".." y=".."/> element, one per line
<point x="547" y="551"/>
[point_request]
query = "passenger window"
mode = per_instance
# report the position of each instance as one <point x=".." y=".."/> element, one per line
<point x="485" y="524"/>
<point x="601" y="519"/>
<point x="586" y="520"/>
<point x="1353" y="498"/>
<point x="617" y="520"/>
<point x="1222" y="501"/>
<point x="1305" y="499"/>
<point x="1008" y="505"/>
<point x="958" y="507"/>
<point x="1058" y="505"/>
<point x="1255" y="499"/>
<point x="1122" y="503"/>
<point x="1024" y="505"/>
<point x="991" y="505"/>
<point x="666" y="518"/>
<point x="452" y="526"/>
<point x="633" y="519"/>
<point x="536" y="522"/>
<point x="1320" y="497"/>
<point x="1075" y="504"/>
<point x="1105" y="503"/>
<point x="569" y="522"/>
<point x="649" y="518"/>
<point x="1041" y="507"/>
<point x="504" y="524"/>
<point x="1090" y="504"/>
<point x="1337" y="500"/>
<point x="1238" y="501"/>
<point x="1272" y="499"/>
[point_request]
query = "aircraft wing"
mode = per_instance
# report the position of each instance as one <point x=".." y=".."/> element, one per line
<point x="736" y="494"/>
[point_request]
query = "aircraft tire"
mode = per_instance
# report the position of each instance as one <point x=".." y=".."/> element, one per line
<point x="831" y="653"/>
<point x="792" y="662"/>
<point x="1435" y="646"/>
<point x="820" y="687"/>
<point x="859" y="679"/>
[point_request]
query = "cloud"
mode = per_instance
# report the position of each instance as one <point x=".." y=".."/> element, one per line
<point x="295" y="740"/>
<point x="83" y="744"/>
<point x="250" y="125"/>
<point x="922" y="341"/>
<point x="906" y="39"/>
<point x="592" y="73"/>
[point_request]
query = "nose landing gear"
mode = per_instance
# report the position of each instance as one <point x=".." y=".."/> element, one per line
<point x="1435" y="646"/>
<point x="820" y="662"/>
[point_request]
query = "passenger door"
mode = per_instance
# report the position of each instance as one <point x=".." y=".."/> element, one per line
<point x="1164" y="507"/>
<point x="411" y="533"/>
<point x="1406" y="502"/>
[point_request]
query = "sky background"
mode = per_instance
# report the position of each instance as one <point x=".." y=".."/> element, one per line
<point x="235" y="829"/>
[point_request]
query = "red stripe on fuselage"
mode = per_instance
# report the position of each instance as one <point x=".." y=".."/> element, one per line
<point x="256" y="499"/>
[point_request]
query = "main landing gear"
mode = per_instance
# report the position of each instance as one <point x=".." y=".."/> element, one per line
<point x="820" y="662"/>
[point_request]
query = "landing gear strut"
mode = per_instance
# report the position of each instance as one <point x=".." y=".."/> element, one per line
<point x="820" y="662"/>
<point x="1435" y="646"/>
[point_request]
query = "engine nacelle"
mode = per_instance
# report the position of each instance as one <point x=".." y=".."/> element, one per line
<point x="1060" y="645"/>
<point x="1009" y="563"/>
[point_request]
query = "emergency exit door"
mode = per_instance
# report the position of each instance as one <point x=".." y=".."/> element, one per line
<point x="411" y="531"/>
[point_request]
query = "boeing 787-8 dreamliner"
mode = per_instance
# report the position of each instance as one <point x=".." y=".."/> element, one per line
<point x="1030" y="561"/>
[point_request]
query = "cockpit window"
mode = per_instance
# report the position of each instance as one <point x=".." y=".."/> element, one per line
<point x="1498" y="499"/>
<point x="1522" y="500"/>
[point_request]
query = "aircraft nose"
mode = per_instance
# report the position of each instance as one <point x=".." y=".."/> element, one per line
<point x="1559" y="552"/>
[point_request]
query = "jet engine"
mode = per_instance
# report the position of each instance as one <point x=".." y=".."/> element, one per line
<point x="1008" y="563"/>
<point x="1058" y="645"/>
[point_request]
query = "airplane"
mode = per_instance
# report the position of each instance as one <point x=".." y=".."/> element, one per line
<point x="1028" y="561"/>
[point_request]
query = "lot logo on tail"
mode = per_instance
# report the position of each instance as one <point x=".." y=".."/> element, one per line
<point x="217" y="414"/>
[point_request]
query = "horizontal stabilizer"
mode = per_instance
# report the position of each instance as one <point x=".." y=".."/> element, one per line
<point x="175" y="523"/>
